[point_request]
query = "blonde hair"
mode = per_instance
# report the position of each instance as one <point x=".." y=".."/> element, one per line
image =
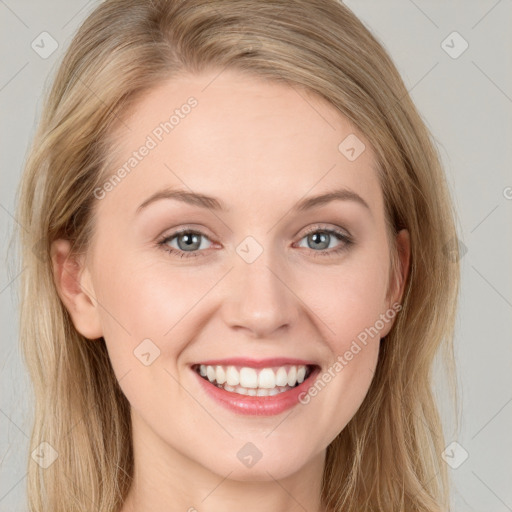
<point x="388" y="458"/>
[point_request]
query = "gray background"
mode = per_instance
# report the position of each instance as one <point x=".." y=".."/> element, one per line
<point x="467" y="104"/>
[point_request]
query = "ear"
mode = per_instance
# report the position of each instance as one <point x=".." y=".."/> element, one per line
<point x="74" y="286"/>
<point x="398" y="274"/>
<point x="401" y="267"/>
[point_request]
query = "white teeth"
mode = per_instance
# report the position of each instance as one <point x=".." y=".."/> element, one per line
<point x="240" y="390"/>
<point x="267" y="378"/>
<point x="292" y="376"/>
<point x="255" y="392"/>
<point x="281" y="377"/>
<point x="210" y="373"/>
<point x="248" y="378"/>
<point x="220" y="375"/>
<point x="251" y="379"/>
<point x="232" y="376"/>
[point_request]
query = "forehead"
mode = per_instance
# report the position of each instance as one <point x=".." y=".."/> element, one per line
<point x="240" y="138"/>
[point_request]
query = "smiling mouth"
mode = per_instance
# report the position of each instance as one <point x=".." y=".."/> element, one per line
<point x="249" y="381"/>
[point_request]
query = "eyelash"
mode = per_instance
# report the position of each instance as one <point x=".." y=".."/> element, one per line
<point x="347" y="242"/>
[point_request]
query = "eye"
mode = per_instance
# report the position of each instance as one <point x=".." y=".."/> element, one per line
<point x="189" y="242"/>
<point x="321" y="238"/>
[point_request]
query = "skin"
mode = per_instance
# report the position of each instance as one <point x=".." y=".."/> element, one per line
<point x="259" y="147"/>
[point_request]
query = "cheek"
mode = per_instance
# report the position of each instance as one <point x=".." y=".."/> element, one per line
<point x="348" y="304"/>
<point x="143" y="297"/>
<point x="142" y="300"/>
<point x="351" y="324"/>
<point x="349" y="298"/>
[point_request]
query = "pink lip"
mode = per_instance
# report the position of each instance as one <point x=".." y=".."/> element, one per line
<point x="258" y="405"/>
<point x="257" y="363"/>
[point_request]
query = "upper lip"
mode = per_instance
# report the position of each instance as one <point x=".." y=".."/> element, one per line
<point x="257" y="363"/>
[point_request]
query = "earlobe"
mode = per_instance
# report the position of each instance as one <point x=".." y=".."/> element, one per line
<point x="75" y="289"/>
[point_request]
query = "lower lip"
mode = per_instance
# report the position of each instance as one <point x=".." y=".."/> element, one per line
<point x="257" y="405"/>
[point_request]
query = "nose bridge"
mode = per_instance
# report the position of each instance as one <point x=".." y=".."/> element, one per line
<point x="261" y="300"/>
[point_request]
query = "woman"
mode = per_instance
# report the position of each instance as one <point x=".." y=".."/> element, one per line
<point x="191" y="347"/>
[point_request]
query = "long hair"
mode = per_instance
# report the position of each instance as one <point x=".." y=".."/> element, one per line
<point x="388" y="457"/>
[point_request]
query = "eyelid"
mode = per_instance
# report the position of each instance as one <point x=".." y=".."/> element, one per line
<point x="198" y="231"/>
<point x="174" y="232"/>
<point x="345" y="238"/>
<point x="161" y="240"/>
<point x="322" y="227"/>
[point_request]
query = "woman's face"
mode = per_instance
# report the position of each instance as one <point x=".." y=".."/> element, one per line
<point x="267" y="280"/>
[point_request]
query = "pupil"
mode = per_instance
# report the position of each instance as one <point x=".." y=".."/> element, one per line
<point x="189" y="240"/>
<point x="320" y="234"/>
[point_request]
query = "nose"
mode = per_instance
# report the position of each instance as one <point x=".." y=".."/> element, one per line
<point x="260" y="298"/>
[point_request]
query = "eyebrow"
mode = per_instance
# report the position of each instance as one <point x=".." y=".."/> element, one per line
<point x="209" y="202"/>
